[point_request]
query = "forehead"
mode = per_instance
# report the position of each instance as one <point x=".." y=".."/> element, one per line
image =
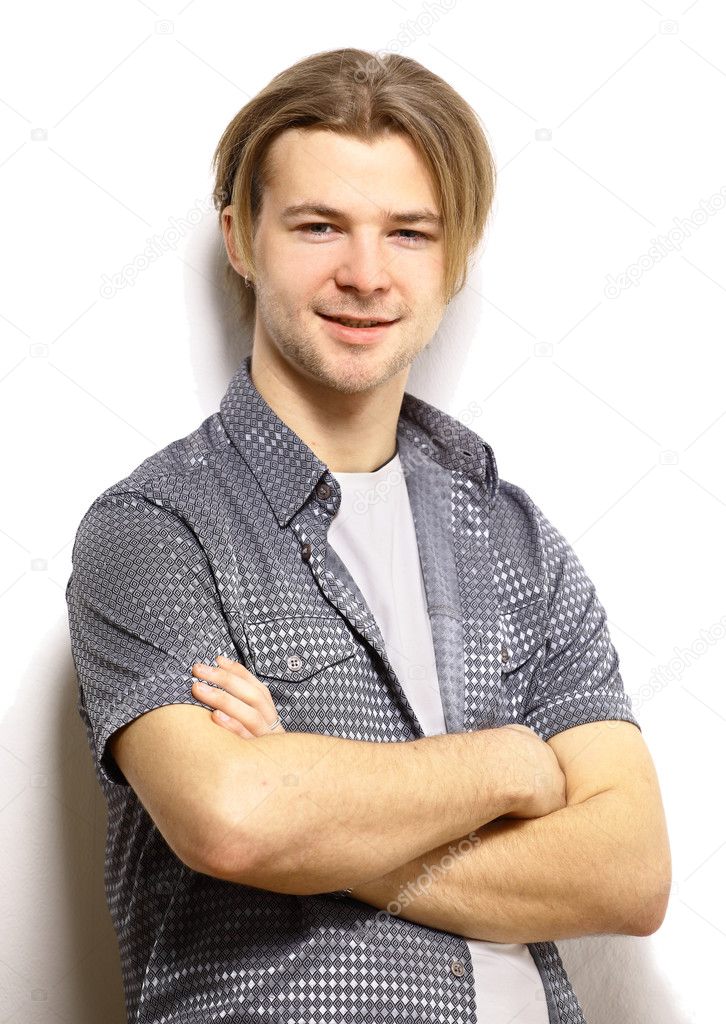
<point x="347" y="172"/>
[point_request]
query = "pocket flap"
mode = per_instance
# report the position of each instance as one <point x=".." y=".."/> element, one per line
<point x="296" y="647"/>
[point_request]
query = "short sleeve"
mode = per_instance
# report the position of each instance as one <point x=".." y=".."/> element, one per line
<point x="580" y="678"/>
<point x="143" y="607"/>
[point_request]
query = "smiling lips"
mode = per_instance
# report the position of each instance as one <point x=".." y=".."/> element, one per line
<point x="349" y="321"/>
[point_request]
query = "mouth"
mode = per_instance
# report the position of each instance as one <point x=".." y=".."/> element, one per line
<point x="356" y="330"/>
<point x="356" y="322"/>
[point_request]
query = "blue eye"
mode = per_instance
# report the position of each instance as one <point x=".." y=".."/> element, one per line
<point x="409" y="234"/>
<point x="418" y="234"/>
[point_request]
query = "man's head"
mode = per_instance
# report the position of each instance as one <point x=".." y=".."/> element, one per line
<point x="360" y="141"/>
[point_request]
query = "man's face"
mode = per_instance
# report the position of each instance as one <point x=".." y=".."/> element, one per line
<point x="359" y="262"/>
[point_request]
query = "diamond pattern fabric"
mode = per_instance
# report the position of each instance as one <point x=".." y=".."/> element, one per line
<point x="216" y="544"/>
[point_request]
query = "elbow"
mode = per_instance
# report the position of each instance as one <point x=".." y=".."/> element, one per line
<point x="253" y="841"/>
<point x="226" y="844"/>
<point x="242" y="815"/>
<point x="655" y="904"/>
<point x="213" y="856"/>
<point x="209" y="846"/>
<point x="276" y="864"/>
<point x="231" y="851"/>
<point x="239" y="852"/>
<point x="271" y="873"/>
<point x="648" y="909"/>
<point x="655" y="909"/>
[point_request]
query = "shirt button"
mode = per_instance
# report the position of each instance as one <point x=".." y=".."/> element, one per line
<point x="323" y="490"/>
<point x="305" y="552"/>
<point x="457" y="968"/>
<point x="294" y="663"/>
<point x="504" y="654"/>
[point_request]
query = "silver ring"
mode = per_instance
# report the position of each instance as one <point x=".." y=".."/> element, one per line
<point x="275" y="724"/>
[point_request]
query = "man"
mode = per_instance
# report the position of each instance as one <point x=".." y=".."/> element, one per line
<point x="431" y="769"/>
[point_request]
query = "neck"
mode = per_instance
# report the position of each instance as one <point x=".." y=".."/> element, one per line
<point x="350" y="433"/>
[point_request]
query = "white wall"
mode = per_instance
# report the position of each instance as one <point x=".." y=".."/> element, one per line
<point x="608" y="408"/>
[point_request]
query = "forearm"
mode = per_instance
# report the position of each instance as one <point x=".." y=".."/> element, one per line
<point x="569" y="873"/>
<point x="309" y="813"/>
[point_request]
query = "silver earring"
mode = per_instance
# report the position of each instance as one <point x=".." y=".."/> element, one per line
<point x="247" y="282"/>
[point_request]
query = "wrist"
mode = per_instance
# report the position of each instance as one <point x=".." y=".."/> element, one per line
<point x="507" y="787"/>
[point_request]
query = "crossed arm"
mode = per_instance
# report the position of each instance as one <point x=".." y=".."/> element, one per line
<point x="601" y="864"/>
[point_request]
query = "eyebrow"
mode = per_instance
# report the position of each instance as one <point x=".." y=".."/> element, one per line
<point x="403" y="217"/>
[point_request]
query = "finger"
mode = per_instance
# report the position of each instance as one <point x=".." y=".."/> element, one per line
<point x="240" y="711"/>
<point x="242" y="685"/>
<point x="238" y="700"/>
<point x="231" y="725"/>
<point x="237" y="668"/>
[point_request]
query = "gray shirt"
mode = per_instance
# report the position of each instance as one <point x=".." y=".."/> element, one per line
<point x="217" y="544"/>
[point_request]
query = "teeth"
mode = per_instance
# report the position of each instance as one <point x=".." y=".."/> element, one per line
<point x="356" y="323"/>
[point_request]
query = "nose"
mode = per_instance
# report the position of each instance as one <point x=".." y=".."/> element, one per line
<point x="364" y="266"/>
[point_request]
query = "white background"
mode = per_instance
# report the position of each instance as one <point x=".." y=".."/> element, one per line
<point x="607" y="405"/>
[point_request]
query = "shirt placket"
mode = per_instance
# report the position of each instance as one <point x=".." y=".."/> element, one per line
<point x="332" y="576"/>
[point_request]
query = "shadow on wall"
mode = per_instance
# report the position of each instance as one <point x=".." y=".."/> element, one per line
<point x="93" y="987"/>
<point x="618" y="981"/>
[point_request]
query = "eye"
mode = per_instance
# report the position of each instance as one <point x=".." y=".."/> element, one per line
<point x="417" y="234"/>
<point x="409" y="235"/>
<point x="308" y="227"/>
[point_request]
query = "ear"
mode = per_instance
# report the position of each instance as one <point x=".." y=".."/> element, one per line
<point x="227" y="217"/>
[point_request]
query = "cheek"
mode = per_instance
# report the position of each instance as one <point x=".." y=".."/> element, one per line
<point x="428" y="318"/>
<point x="301" y="266"/>
<point x="297" y="287"/>
<point x="422" y="282"/>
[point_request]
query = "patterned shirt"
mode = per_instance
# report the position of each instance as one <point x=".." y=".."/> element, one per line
<point x="217" y="544"/>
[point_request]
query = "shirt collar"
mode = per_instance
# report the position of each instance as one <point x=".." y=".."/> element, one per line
<point x="287" y="470"/>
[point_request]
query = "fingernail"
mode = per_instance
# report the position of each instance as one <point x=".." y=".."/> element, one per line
<point x="202" y="684"/>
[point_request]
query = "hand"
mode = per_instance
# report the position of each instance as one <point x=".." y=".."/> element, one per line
<point x="544" y="784"/>
<point x="243" y="705"/>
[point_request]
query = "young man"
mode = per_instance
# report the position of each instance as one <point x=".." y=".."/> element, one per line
<point x="431" y="769"/>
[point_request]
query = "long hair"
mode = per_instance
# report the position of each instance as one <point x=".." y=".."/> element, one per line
<point x="362" y="95"/>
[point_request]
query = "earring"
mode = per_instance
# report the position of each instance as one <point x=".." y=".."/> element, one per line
<point x="247" y="282"/>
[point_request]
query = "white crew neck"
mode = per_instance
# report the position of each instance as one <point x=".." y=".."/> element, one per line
<point x="393" y="463"/>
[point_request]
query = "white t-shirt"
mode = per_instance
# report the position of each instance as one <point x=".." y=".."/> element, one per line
<point x="374" y="535"/>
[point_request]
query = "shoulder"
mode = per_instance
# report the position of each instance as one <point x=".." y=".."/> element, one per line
<point x="518" y="540"/>
<point x="516" y="514"/>
<point x="530" y="548"/>
<point x="175" y="475"/>
<point x="162" y="499"/>
<point x="184" y="457"/>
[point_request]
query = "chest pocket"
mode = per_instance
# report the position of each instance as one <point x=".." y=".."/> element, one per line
<point x="297" y="647"/>
<point x="522" y="646"/>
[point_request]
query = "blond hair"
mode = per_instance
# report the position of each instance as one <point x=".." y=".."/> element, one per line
<point x="357" y="93"/>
